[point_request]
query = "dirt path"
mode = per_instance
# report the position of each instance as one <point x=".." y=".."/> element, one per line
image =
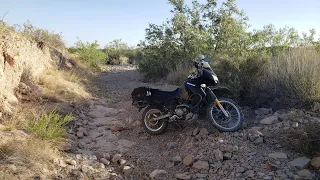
<point x="111" y="126"/>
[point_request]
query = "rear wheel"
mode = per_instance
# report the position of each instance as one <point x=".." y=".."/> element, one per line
<point x="220" y="121"/>
<point x="154" y="127"/>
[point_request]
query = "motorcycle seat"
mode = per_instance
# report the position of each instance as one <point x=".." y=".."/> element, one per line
<point x="160" y="96"/>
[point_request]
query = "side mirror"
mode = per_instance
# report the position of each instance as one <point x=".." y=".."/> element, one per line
<point x="206" y="59"/>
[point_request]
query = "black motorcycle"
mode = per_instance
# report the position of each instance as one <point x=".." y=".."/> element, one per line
<point x="198" y="93"/>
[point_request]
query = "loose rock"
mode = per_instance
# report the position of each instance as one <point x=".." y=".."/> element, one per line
<point x="227" y="156"/>
<point x="254" y="133"/>
<point x="269" y="120"/>
<point x="183" y="176"/>
<point x="127" y="170"/>
<point x="278" y="155"/>
<point x="158" y="173"/>
<point x="105" y="161"/>
<point x="188" y="160"/>
<point x="116" y="158"/>
<point x="240" y="169"/>
<point x="305" y="174"/>
<point x="249" y="173"/>
<point x="80" y="134"/>
<point x="122" y="162"/>
<point x="169" y="164"/>
<point x="200" y="165"/>
<point x="176" y="160"/>
<point x="172" y="145"/>
<point x="301" y="162"/>
<point x="316" y="162"/>
<point x="263" y="111"/>
<point x="66" y="147"/>
<point x="218" y="155"/>
<point x="203" y="132"/>
<point x="81" y="129"/>
<point x="259" y="140"/>
<point x="195" y="131"/>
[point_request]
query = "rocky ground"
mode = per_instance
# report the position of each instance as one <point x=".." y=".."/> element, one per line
<point x="107" y="142"/>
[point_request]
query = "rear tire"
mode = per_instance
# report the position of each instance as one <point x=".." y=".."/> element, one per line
<point x="153" y="128"/>
<point x="215" y="116"/>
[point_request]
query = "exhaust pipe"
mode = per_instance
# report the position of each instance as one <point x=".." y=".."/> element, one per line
<point x="161" y="117"/>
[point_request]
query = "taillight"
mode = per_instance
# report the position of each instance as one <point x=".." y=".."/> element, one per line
<point x="139" y="95"/>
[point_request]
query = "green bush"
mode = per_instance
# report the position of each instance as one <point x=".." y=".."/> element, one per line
<point x="252" y="64"/>
<point x="89" y="52"/>
<point x="49" y="125"/>
<point x="120" y="53"/>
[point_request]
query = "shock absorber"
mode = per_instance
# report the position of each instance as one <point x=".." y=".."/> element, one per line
<point x="215" y="100"/>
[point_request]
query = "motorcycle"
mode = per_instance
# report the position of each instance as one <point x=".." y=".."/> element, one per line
<point x="198" y="92"/>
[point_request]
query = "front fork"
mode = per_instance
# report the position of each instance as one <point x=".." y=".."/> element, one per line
<point x="216" y="101"/>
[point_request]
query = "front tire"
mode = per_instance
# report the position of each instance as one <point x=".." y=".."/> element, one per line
<point x="153" y="127"/>
<point x="220" y="121"/>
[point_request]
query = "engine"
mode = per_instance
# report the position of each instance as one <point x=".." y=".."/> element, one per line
<point x="180" y="111"/>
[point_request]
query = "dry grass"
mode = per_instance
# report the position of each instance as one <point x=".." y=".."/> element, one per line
<point x="17" y="119"/>
<point x="178" y="75"/>
<point x="294" y="75"/>
<point x="32" y="156"/>
<point x="63" y="85"/>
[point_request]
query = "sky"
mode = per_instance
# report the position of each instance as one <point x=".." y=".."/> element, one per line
<point x="106" y="20"/>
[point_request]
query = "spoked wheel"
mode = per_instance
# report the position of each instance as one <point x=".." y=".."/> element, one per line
<point x="226" y="124"/>
<point x="151" y="126"/>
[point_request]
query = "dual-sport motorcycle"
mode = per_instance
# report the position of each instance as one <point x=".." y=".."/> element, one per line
<point x="198" y="93"/>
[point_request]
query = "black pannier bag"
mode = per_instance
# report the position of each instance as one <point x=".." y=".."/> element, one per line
<point x="139" y="96"/>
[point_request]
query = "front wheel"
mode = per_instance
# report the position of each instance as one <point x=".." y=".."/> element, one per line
<point x="226" y="124"/>
<point x="151" y="126"/>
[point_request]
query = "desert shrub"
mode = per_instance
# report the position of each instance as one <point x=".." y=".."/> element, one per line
<point x="240" y="74"/>
<point x="49" y="125"/>
<point x="303" y="140"/>
<point x="41" y="36"/>
<point x="89" y="52"/>
<point x="294" y="75"/>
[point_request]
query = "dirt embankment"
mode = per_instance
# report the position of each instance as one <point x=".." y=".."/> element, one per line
<point x="20" y="58"/>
